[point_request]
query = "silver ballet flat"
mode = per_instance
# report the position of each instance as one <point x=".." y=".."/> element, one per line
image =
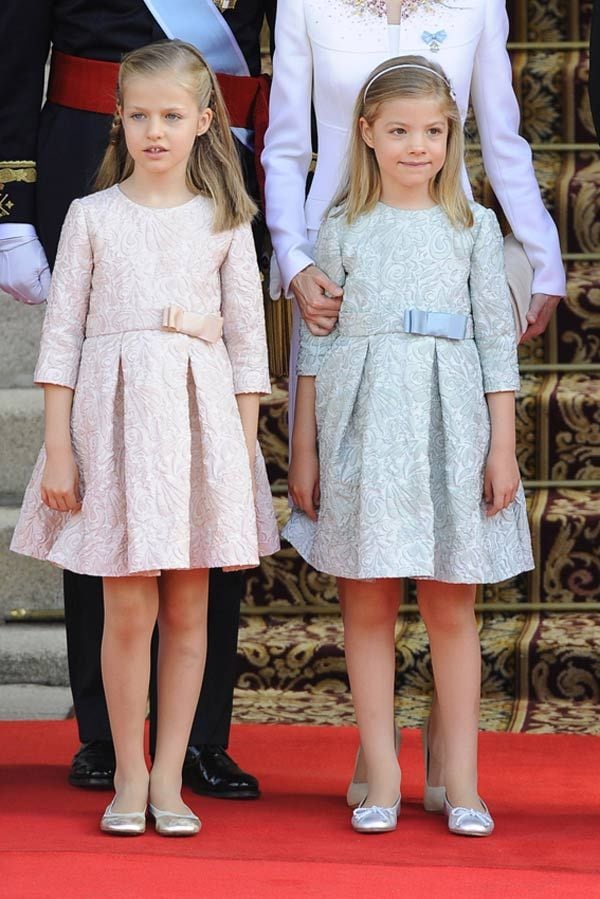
<point x="468" y="822"/>
<point x="357" y="790"/>
<point x="125" y="824"/>
<point x="375" y="818"/>
<point x="433" y="797"/>
<point x="171" y="824"/>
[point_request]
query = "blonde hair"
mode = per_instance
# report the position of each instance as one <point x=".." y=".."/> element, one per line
<point x="213" y="167"/>
<point x="409" y="77"/>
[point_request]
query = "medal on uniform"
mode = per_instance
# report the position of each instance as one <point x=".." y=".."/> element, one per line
<point x="433" y="41"/>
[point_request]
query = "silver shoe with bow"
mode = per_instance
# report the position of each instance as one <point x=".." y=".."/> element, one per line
<point x="375" y="818"/>
<point x="468" y="822"/>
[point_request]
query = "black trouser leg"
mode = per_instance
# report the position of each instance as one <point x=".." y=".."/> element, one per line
<point x="84" y="620"/>
<point x="212" y="720"/>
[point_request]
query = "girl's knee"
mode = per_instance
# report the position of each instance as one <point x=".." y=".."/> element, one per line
<point x="449" y="620"/>
<point x="128" y="629"/>
<point x="130" y="608"/>
<point x="447" y="610"/>
<point x="183" y="617"/>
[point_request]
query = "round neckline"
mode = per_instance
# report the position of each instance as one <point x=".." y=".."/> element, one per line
<point x="155" y="208"/>
<point x="401" y="209"/>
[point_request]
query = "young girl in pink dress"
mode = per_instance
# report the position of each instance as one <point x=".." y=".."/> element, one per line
<point x="153" y="358"/>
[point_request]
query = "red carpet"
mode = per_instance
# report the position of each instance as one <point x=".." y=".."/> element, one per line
<point x="296" y="841"/>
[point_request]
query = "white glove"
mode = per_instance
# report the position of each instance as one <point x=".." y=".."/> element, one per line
<point x="24" y="269"/>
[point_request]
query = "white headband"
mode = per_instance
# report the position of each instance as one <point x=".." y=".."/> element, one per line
<point x="408" y="65"/>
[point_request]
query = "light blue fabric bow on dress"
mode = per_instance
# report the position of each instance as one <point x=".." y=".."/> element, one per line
<point x="433" y="41"/>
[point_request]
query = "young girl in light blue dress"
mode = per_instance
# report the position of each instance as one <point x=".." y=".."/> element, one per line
<point x="403" y="449"/>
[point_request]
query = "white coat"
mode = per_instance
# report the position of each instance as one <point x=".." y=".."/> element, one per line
<point x="324" y="52"/>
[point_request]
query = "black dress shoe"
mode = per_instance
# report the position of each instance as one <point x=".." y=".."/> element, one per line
<point x="208" y="770"/>
<point x="93" y="766"/>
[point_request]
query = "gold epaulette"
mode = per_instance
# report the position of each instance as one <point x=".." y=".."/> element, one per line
<point x="225" y="4"/>
<point x="10" y="171"/>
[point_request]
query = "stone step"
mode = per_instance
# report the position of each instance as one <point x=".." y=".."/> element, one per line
<point x="25" y="702"/>
<point x="24" y="582"/>
<point x="21" y="436"/>
<point x="19" y="341"/>
<point x="34" y="654"/>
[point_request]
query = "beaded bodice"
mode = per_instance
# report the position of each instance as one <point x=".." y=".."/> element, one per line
<point x="380" y="7"/>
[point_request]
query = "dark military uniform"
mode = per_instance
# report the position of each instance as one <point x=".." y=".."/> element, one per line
<point x="48" y="157"/>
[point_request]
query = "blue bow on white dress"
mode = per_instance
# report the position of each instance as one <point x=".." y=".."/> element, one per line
<point x="433" y="41"/>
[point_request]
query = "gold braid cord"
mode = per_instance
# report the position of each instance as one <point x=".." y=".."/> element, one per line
<point x="278" y="320"/>
<point x="23" y="170"/>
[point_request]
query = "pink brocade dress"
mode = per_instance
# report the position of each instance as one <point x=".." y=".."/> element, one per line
<point x="157" y="436"/>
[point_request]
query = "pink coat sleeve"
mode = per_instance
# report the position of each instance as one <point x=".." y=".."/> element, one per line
<point x="68" y="301"/>
<point x="243" y="315"/>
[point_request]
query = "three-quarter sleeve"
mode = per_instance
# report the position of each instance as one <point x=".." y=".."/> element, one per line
<point x="328" y="256"/>
<point x="507" y="155"/>
<point x="490" y="304"/>
<point x="243" y="315"/>
<point x="68" y="302"/>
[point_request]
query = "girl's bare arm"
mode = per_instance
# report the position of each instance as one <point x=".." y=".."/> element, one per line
<point x="60" y="481"/>
<point x="303" y="478"/>
<point x="502" y="475"/>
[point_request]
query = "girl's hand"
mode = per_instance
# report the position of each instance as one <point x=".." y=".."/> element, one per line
<point x="502" y="478"/>
<point x="303" y="480"/>
<point x="60" y="482"/>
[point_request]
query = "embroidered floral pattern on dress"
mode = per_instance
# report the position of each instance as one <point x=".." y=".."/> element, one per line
<point x="404" y="435"/>
<point x="156" y="429"/>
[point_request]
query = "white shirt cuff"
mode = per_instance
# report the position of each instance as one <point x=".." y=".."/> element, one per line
<point x="13" y="229"/>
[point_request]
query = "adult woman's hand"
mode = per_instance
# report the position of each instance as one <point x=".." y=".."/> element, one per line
<point x="319" y="299"/>
<point x="540" y="312"/>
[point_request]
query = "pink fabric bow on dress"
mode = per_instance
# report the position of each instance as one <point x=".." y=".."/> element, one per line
<point x="206" y="326"/>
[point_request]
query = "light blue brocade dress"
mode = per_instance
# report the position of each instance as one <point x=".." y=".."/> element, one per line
<point x="403" y="424"/>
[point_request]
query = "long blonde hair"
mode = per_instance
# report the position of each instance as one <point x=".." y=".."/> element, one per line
<point x="213" y="167"/>
<point x="418" y="78"/>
